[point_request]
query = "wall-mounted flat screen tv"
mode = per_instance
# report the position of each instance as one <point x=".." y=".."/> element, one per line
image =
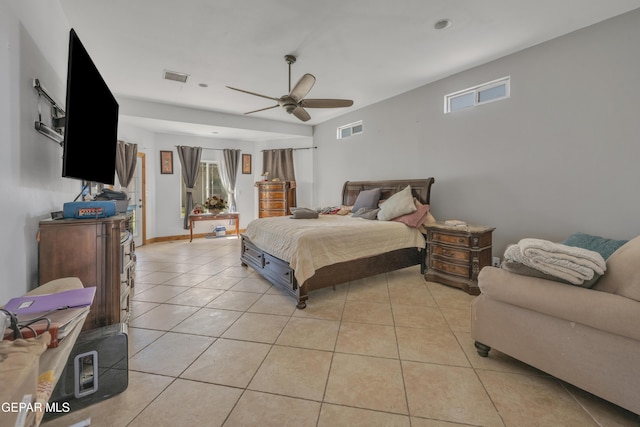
<point x="91" y="120"/>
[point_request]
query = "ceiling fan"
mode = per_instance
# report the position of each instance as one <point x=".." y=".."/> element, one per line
<point x="294" y="102"/>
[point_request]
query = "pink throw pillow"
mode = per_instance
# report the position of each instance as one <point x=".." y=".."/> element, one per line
<point x="416" y="218"/>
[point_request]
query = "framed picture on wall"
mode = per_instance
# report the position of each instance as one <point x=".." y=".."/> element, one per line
<point x="166" y="162"/>
<point x="246" y="163"/>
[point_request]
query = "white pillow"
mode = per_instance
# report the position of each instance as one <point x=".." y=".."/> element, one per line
<point x="399" y="204"/>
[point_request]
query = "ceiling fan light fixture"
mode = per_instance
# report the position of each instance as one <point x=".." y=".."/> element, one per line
<point x="442" y="24"/>
<point x="294" y="102"/>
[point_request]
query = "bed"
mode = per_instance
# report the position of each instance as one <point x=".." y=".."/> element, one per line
<point x="278" y="247"/>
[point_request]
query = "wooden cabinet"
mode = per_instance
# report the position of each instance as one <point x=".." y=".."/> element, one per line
<point x="275" y="198"/>
<point x="457" y="254"/>
<point x="101" y="253"/>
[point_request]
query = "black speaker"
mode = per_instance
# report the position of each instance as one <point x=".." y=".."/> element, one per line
<point x="97" y="369"/>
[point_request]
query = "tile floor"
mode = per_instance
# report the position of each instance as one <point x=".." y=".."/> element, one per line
<point x="211" y="343"/>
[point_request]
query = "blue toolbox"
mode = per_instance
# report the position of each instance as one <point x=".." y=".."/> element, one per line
<point x="87" y="210"/>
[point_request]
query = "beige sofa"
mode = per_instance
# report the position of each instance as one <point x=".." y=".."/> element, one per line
<point x="587" y="337"/>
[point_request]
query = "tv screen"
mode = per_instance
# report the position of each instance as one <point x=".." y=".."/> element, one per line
<point x="91" y="120"/>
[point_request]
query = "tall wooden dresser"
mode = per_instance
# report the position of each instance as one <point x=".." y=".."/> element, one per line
<point x="101" y="253"/>
<point x="275" y="198"/>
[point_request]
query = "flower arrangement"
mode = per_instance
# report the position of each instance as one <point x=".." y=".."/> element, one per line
<point x="215" y="203"/>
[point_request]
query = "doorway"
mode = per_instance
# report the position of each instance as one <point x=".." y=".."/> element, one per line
<point x="137" y="195"/>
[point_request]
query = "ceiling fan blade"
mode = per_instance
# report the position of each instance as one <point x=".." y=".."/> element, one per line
<point x="301" y="113"/>
<point x="253" y="93"/>
<point x="262" y="109"/>
<point x="302" y="88"/>
<point x="326" y="103"/>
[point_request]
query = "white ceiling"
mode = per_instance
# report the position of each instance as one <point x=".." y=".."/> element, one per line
<point x="365" y="50"/>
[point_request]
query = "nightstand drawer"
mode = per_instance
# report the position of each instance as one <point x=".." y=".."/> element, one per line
<point x="455" y="269"/>
<point x="450" y="253"/>
<point x="449" y="238"/>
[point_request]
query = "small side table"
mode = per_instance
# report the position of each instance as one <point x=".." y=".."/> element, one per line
<point x="213" y="217"/>
<point x="456" y="254"/>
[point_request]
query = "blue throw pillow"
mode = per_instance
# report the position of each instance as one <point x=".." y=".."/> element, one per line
<point x="603" y="246"/>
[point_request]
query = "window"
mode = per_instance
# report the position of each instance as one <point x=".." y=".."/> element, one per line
<point x="477" y="95"/>
<point x="349" y="130"/>
<point x="208" y="184"/>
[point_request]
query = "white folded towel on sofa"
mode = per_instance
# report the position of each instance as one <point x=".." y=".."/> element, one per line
<point x="570" y="263"/>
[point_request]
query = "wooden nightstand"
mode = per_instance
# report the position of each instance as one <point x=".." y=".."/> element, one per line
<point x="455" y="255"/>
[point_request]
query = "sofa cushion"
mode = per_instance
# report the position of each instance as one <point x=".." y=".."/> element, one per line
<point x="600" y="310"/>
<point x="623" y="272"/>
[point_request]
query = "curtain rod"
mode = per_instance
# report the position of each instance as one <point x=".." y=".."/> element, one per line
<point x="205" y="148"/>
<point x="294" y="149"/>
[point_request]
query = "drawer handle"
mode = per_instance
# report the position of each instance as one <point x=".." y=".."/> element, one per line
<point x="460" y="240"/>
<point x="447" y="252"/>
<point x="267" y="262"/>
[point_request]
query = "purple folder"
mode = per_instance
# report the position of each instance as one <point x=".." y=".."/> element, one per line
<point x="41" y="303"/>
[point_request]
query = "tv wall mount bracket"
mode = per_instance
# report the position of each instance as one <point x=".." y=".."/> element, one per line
<point x="55" y="131"/>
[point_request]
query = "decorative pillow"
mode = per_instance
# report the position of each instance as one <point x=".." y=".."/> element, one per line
<point x="303" y="213"/>
<point x="414" y="219"/>
<point x="429" y="219"/>
<point x="603" y="246"/>
<point x="401" y="203"/>
<point x="623" y="275"/>
<point x="366" y="213"/>
<point x="367" y="199"/>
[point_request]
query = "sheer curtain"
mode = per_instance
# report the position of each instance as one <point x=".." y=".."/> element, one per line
<point x="279" y="164"/>
<point x="126" y="157"/>
<point x="231" y="160"/>
<point x="190" y="161"/>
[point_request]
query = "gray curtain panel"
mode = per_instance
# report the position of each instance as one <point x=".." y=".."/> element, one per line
<point x="279" y="164"/>
<point x="126" y="157"/>
<point x="229" y="174"/>
<point x="190" y="161"/>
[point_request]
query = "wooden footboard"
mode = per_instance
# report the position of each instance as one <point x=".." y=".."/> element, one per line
<point x="279" y="273"/>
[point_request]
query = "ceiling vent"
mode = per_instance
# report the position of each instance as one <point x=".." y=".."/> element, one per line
<point x="175" y="76"/>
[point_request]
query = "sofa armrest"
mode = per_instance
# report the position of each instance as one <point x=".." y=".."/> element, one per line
<point x="601" y="310"/>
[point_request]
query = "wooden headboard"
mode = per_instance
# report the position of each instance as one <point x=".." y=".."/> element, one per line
<point x="421" y="188"/>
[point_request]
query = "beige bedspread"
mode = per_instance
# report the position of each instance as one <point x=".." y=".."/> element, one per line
<point x="309" y="244"/>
